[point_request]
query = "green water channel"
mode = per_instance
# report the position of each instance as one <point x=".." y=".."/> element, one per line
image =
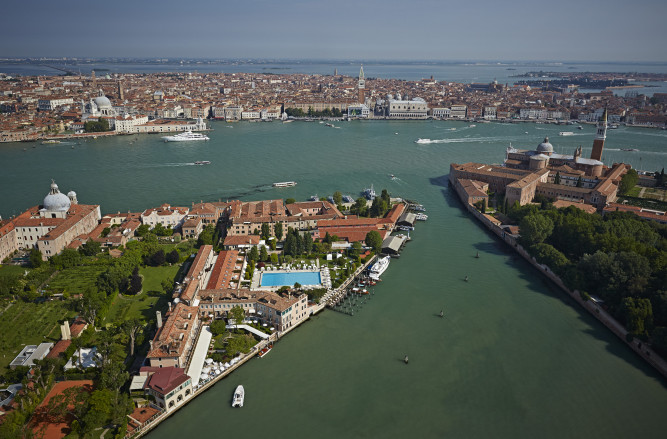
<point x="513" y="357"/>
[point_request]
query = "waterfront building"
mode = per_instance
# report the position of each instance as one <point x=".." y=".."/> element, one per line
<point x="458" y="111"/>
<point x="126" y="124"/>
<point x="173" y="342"/>
<point x="441" y="112"/>
<point x="49" y="227"/>
<point x="169" y="386"/>
<point x="165" y="215"/>
<point x="416" y="108"/>
<point x="170" y="126"/>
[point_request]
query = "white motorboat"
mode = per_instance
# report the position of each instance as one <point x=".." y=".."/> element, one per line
<point x="566" y="133"/>
<point x="187" y="136"/>
<point x="239" y="396"/>
<point x="420" y="140"/>
<point x="379" y="267"/>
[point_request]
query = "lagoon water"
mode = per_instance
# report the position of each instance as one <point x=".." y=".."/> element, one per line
<point x="513" y="357"/>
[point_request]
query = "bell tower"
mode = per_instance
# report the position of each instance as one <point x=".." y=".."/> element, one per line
<point x="362" y="85"/>
<point x="600" y="136"/>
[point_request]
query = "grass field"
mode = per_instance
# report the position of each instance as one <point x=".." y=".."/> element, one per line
<point x="24" y="323"/>
<point x="76" y="279"/>
<point x="144" y="305"/>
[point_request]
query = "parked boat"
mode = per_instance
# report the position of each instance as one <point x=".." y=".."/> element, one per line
<point x="348" y="199"/>
<point x="379" y="267"/>
<point x="369" y="193"/>
<point x="239" y="396"/>
<point x="265" y="351"/>
<point x="421" y="217"/>
<point x="50" y="142"/>
<point x="314" y="198"/>
<point x="285" y="184"/>
<point x="187" y="136"/>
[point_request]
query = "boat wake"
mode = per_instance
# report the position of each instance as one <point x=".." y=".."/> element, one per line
<point x="463" y="140"/>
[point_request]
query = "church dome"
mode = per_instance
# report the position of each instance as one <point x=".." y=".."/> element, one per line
<point x="102" y="102"/>
<point x="55" y="201"/>
<point x="545" y="147"/>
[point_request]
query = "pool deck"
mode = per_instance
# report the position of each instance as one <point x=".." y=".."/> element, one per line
<point x="256" y="283"/>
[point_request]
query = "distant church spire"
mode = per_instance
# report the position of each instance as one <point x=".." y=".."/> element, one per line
<point x="362" y="85"/>
<point x="600" y="136"/>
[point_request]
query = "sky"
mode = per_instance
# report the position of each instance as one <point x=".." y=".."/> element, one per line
<point x="444" y="30"/>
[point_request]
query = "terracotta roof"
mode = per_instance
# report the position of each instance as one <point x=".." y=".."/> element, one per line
<point x="166" y="379"/>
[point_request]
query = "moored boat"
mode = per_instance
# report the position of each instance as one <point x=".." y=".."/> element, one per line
<point x="185" y="137"/>
<point x="379" y="267"/>
<point x="265" y="351"/>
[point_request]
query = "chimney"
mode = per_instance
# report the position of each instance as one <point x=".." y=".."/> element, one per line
<point x="151" y="343"/>
<point x="169" y="306"/>
<point x="159" y="319"/>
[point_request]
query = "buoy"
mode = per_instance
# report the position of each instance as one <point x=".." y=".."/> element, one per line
<point x="406" y="359"/>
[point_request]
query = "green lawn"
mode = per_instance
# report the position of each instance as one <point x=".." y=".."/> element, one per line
<point x="144" y="305"/>
<point x="76" y="279"/>
<point x="24" y="323"/>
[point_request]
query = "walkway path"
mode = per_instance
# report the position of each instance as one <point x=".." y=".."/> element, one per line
<point x="251" y="329"/>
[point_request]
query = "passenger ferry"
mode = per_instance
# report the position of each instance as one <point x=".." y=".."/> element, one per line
<point x="285" y="184"/>
<point x="187" y="136"/>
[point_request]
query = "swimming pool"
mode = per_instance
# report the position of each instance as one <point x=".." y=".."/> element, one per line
<point x="289" y="279"/>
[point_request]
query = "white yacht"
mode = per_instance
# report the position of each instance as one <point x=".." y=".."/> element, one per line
<point x="239" y="396"/>
<point x="185" y="137"/>
<point x="285" y="184"/>
<point x="379" y="267"/>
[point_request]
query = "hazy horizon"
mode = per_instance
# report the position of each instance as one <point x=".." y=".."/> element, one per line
<point x="374" y="30"/>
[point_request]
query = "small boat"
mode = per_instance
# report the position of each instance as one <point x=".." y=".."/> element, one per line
<point x="629" y="149"/>
<point x="239" y="396"/>
<point x="421" y="217"/>
<point x="566" y="133"/>
<point x="442" y="313"/>
<point x="50" y="142"/>
<point x="265" y="351"/>
<point x="580" y="127"/>
<point x="314" y="198"/>
<point x="420" y="140"/>
<point x="472" y="125"/>
<point x="406" y="359"/>
<point x="477" y="255"/>
<point x="285" y="184"/>
<point x="613" y="126"/>
<point x="203" y="162"/>
<point x="392" y="176"/>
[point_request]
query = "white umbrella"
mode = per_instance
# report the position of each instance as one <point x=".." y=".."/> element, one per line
<point x="265" y="325"/>
<point x="203" y="376"/>
<point x="272" y="328"/>
<point x="209" y="360"/>
<point x="227" y="365"/>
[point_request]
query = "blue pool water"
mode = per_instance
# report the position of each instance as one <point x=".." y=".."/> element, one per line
<point x="289" y="279"/>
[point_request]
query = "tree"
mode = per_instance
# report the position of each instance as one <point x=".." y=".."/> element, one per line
<point x="253" y="255"/>
<point x="374" y="240"/>
<point x="278" y="229"/>
<point x="266" y="231"/>
<point x="172" y="257"/>
<point x="638" y="315"/>
<point x="360" y="206"/>
<point x="218" y="327"/>
<point x="557" y="178"/>
<point x="297" y="285"/>
<point x="142" y="230"/>
<point x="263" y="254"/>
<point x="135" y="281"/>
<point x="628" y="181"/>
<point x="274" y="258"/>
<point x="206" y="236"/>
<point x="307" y="243"/>
<point x="157" y="258"/>
<point x="290" y="201"/>
<point x="35" y="258"/>
<point x="534" y="229"/>
<point x="131" y="327"/>
<point x="237" y="314"/>
<point x="90" y="248"/>
<point x="90" y="304"/>
<point x="96" y="126"/>
<point x="338" y="197"/>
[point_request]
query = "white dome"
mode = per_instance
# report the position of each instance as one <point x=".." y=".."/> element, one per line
<point x="545" y="146"/>
<point x="102" y="102"/>
<point x="71" y="194"/>
<point x="55" y="201"/>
